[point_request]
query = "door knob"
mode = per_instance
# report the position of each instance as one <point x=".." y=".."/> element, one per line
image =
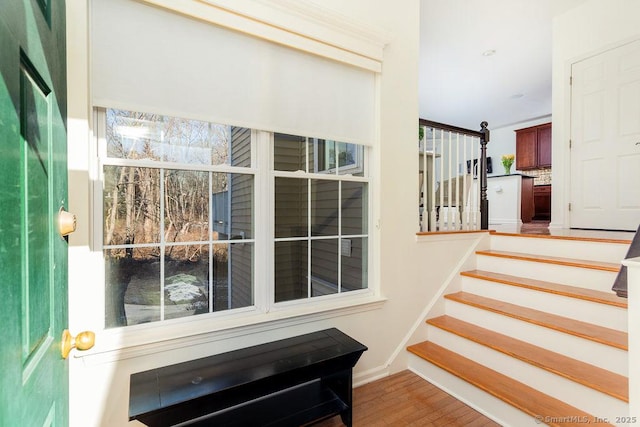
<point x="66" y="222"/>
<point x="83" y="341"/>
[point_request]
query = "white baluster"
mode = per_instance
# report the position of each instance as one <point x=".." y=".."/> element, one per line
<point x="464" y="209"/>
<point x="432" y="222"/>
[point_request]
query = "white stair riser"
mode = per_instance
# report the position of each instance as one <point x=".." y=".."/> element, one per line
<point x="585" y="311"/>
<point x="571" y="392"/>
<point x="578" y="249"/>
<point x="494" y="408"/>
<point x="574" y="276"/>
<point x="604" y="356"/>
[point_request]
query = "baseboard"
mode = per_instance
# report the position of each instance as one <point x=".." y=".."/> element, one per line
<point x="370" y="375"/>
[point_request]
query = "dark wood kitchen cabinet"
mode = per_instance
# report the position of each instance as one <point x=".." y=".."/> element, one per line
<point x="542" y="202"/>
<point x="533" y="147"/>
<point x="527" y="206"/>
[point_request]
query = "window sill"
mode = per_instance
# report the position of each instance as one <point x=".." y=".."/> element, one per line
<point x="119" y="344"/>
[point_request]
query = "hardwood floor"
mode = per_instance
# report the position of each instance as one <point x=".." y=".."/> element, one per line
<point x="405" y="399"/>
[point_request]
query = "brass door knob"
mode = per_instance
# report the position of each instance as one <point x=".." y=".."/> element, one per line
<point x="83" y="341"/>
<point x="66" y="222"/>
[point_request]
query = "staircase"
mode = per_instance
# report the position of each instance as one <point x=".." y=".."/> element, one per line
<point x="534" y="335"/>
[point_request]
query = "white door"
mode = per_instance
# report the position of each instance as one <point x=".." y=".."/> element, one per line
<point x="605" y="135"/>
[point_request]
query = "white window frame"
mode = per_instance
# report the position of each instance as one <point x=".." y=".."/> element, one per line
<point x="333" y="174"/>
<point x="264" y="310"/>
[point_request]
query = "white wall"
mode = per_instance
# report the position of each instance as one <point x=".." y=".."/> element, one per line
<point x="408" y="274"/>
<point x="591" y="28"/>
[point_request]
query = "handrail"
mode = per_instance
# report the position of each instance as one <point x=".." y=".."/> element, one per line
<point x="620" y="286"/>
<point x="456" y="129"/>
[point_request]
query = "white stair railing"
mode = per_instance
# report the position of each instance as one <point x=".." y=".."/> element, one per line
<point x="450" y="190"/>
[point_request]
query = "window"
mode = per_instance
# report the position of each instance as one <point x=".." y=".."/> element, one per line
<point x="320" y="218"/>
<point x="179" y="218"/>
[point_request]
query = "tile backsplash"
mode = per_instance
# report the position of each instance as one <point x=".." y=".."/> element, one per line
<point x="541" y="176"/>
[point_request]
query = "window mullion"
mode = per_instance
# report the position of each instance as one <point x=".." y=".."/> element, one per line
<point x="339" y="236"/>
<point x="264" y="278"/>
<point x="309" y="242"/>
<point x="162" y="246"/>
<point x="210" y="283"/>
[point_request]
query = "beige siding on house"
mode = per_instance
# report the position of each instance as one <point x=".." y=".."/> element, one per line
<point x="324" y="266"/>
<point x="291" y="207"/>
<point x="241" y="222"/>
<point x="324" y="207"/>
<point x="354" y="267"/>
<point x="290" y="270"/>
<point x="289" y="152"/>
<point x="354" y="202"/>
<point x="241" y="256"/>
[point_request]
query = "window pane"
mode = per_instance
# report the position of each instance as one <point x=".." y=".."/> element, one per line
<point x="354" y="208"/>
<point x="232" y="276"/>
<point x="132" y="286"/>
<point x="240" y="147"/>
<point x="350" y="159"/>
<point x="289" y="152"/>
<point x="185" y="280"/>
<point x="354" y="264"/>
<point x="291" y="270"/>
<point x="195" y="142"/>
<point x="237" y="204"/>
<point x="133" y="135"/>
<point x="324" y="207"/>
<point x="291" y="195"/>
<point x="186" y="206"/>
<point x="131" y="205"/>
<point x="322" y="155"/>
<point x="324" y="267"/>
<point x="241" y="206"/>
<point x="241" y="275"/>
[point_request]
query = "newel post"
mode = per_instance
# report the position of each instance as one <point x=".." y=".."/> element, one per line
<point x="484" y="203"/>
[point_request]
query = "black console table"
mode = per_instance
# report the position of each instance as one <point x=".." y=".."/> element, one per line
<point x="290" y="382"/>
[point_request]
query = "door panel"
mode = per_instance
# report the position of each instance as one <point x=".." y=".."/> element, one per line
<point x="36" y="286"/>
<point x="33" y="257"/>
<point x="605" y="127"/>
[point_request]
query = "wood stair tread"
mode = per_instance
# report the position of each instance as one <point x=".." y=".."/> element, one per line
<point x="515" y="393"/>
<point x="560" y="237"/>
<point x="608" y="298"/>
<point x="572" y="262"/>
<point x="600" y="334"/>
<point x="599" y="379"/>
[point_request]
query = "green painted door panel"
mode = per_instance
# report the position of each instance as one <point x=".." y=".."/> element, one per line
<point x="33" y="186"/>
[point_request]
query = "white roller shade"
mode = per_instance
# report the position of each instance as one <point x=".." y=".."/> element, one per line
<point x="152" y="60"/>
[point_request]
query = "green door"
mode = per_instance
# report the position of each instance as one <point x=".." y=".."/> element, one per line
<point x="33" y="187"/>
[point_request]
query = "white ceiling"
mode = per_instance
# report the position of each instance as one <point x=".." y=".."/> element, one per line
<point x="460" y="86"/>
